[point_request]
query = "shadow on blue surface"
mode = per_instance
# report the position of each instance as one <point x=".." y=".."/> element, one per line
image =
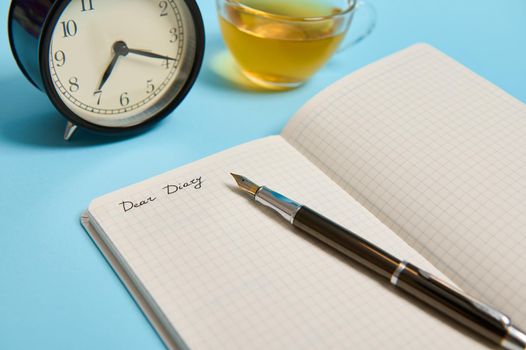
<point x="29" y="118"/>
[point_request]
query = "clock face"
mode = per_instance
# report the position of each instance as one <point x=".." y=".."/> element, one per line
<point x="119" y="63"/>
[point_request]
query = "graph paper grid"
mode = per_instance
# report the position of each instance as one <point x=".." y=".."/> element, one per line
<point x="228" y="274"/>
<point x="437" y="153"/>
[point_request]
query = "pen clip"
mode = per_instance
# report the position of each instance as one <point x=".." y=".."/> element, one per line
<point x="495" y="314"/>
<point x="491" y="313"/>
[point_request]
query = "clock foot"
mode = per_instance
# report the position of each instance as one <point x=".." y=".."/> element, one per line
<point x="70" y="130"/>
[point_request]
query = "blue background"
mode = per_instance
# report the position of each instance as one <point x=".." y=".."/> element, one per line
<point x="56" y="290"/>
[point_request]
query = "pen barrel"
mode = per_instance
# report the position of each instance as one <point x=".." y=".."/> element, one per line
<point x="346" y="242"/>
<point x="479" y="317"/>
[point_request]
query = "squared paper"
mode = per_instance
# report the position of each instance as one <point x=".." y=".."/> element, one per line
<point x="415" y="153"/>
<point x="438" y="154"/>
<point x="228" y="274"/>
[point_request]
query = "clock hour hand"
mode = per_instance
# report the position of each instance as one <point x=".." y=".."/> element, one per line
<point x="119" y="49"/>
<point x="108" y="71"/>
<point x="150" y="54"/>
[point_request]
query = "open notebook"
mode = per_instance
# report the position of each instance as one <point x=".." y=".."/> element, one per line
<point x="415" y="153"/>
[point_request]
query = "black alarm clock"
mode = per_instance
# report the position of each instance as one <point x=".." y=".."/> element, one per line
<point x="109" y="65"/>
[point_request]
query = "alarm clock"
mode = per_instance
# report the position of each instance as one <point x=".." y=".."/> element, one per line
<point x="109" y="65"/>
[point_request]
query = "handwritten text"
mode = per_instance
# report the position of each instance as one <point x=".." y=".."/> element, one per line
<point x="168" y="190"/>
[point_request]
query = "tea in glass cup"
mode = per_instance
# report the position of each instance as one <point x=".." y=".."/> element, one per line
<point x="280" y="44"/>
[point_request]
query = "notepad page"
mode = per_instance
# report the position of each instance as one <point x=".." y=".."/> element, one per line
<point x="230" y="274"/>
<point x="439" y="155"/>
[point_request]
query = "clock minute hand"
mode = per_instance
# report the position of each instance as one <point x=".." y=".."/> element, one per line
<point x="150" y="54"/>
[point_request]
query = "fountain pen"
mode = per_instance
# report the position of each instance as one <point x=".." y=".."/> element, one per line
<point x="475" y="315"/>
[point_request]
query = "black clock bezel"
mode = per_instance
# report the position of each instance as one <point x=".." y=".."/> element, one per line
<point x="45" y="43"/>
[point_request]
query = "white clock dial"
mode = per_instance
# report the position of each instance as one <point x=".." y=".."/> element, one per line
<point x="118" y="63"/>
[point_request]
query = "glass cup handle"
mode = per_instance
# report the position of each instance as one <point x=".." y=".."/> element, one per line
<point x="368" y="26"/>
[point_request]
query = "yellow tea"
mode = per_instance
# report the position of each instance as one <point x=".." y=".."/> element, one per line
<point x="296" y="8"/>
<point x="274" y="45"/>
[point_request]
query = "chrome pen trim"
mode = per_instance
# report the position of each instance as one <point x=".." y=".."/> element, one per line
<point x="396" y="275"/>
<point x="286" y="207"/>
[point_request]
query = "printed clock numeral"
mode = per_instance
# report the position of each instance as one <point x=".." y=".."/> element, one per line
<point x="74" y="84"/>
<point x="87" y="5"/>
<point x="69" y="28"/>
<point x="174" y="37"/>
<point x="98" y="96"/>
<point x="60" y="58"/>
<point x="149" y="86"/>
<point x="125" y="100"/>
<point x="164" y="8"/>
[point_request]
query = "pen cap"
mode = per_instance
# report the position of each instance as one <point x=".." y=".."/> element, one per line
<point x="453" y="302"/>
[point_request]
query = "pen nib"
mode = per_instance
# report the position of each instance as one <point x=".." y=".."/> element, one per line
<point x="245" y="184"/>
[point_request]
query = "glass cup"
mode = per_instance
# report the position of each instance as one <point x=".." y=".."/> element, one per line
<point x="280" y="44"/>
